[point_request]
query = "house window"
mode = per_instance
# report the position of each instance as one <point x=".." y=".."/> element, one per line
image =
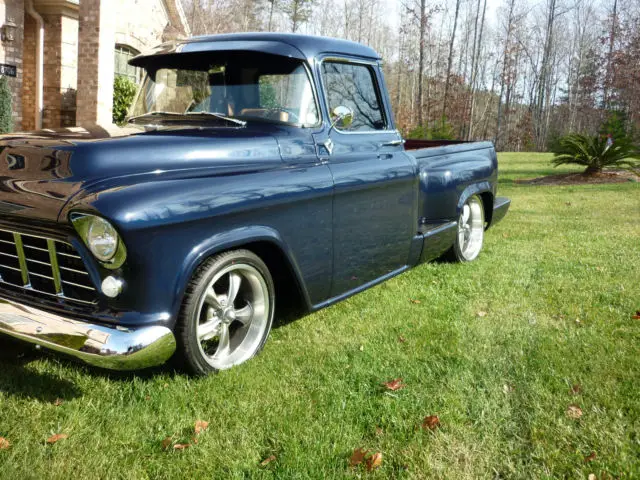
<point x="122" y="67"/>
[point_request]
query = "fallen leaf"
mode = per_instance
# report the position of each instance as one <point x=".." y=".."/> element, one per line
<point x="481" y="313"/>
<point x="506" y="388"/>
<point x="166" y="442"/>
<point x="394" y="385"/>
<point x="576" y="389"/>
<point x="200" y="426"/>
<point x="401" y="339"/>
<point x="4" y="443"/>
<point x="362" y="348"/>
<point x="374" y="461"/>
<point x="181" y="446"/>
<point x="431" y="422"/>
<point x="568" y="204"/>
<point x="590" y="457"/>
<point x="147" y="397"/>
<point x="58" y="402"/>
<point x="358" y="456"/>
<point x="56" y="438"/>
<point x="268" y="460"/>
<point x="637" y="315"/>
<point x="416" y="301"/>
<point x="379" y="431"/>
<point x="505" y="235"/>
<point x="574" y="411"/>
<point x="592" y="476"/>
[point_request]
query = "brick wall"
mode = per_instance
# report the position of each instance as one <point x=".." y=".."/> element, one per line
<point x="29" y="80"/>
<point x="95" y="63"/>
<point x="11" y="53"/>
<point x="51" y="117"/>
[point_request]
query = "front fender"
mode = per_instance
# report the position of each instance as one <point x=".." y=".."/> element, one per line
<point x="228" y="240"/>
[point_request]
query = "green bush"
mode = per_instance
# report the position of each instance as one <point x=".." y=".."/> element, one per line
<point x="441" y="130"/>
<point x="124" y="91"/>
<point x="6" y="120"/>
<point x="595" y="152"/>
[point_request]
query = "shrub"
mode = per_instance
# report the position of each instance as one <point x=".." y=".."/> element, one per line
<point x="124" y="91"/>
<point x="6" y="120"/>
<point x="595" y="152"/>
<point x="442" y="130"/>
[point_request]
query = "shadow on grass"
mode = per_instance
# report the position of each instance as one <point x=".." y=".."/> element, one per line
<point x="18" y="381"/>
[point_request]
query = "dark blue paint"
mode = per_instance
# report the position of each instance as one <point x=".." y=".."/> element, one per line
<point x="344" y="221"/>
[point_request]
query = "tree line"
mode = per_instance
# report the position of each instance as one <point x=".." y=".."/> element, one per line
<point x="519" y="72"/>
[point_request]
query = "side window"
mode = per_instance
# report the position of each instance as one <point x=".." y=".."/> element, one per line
<point x="354" y="86"/>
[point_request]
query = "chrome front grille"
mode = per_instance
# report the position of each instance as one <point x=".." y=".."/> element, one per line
<point x="45" y="266"/>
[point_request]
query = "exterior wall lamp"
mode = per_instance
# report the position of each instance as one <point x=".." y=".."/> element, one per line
<point x="8" y="31"/>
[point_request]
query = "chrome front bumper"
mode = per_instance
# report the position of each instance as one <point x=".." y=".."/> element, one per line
<point x="116" y="348"/>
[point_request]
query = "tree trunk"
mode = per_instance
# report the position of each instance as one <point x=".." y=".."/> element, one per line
<point x="449" y="61"/>
<point x="423" y="32"/>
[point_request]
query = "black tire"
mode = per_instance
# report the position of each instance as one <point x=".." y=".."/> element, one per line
<point x="191" y="350"/>
<point x="463" y="251"/>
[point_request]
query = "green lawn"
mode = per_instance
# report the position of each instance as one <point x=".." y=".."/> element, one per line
<point x="493" y="349"/>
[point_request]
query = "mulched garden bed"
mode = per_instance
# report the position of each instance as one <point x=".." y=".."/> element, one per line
<point x="607" y="176"/>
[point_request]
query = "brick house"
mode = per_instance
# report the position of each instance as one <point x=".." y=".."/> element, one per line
<point x="61" y="56"/>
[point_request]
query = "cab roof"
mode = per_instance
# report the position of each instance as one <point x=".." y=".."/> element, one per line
<point x="292" y="45"/>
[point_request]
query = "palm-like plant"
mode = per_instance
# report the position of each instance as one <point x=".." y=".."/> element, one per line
<point x="595" y="152"/>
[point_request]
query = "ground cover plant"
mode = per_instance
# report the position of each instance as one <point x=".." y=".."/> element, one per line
<point x="523" y="364"/>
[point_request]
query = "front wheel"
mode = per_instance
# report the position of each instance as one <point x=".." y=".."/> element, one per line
<point x="470" y="232"/>
<point x="227" y="312"/>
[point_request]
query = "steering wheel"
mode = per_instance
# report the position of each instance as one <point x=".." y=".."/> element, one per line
<point x="293" y="116"/>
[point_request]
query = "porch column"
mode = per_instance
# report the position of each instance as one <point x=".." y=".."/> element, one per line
<point x="96" y="38"/>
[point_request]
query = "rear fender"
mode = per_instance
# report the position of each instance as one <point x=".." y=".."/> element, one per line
<point x="479" y="188"/>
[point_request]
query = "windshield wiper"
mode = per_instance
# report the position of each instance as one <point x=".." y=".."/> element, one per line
<point x="155" y="113"/>
<point x="158" y="113"/>
<point x="242" y="123"/>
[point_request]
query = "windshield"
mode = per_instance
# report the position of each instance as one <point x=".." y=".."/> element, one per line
<point x="236" y="88"/>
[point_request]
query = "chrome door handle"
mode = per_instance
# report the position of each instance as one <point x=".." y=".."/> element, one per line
<point x="393" y="143"/>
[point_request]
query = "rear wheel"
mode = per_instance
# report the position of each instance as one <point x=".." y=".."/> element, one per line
<point x="470" y="231"/>
<point x="227" y="312"/>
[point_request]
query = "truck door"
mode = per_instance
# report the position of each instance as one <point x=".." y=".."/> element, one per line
<point x="375" y="181"/>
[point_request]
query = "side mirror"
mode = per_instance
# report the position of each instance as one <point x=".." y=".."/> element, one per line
<point x="342" y="117"/>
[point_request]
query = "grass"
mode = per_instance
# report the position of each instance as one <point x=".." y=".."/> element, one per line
<point x="559" y="281"/>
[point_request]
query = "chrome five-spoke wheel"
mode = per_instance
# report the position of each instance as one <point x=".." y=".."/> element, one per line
<point x="470" y="231"/>
<point x="228" y="312"/>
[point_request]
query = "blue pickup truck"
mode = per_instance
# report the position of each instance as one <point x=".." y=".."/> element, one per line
<point x="258" y="173"/>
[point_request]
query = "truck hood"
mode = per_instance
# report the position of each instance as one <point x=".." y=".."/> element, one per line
<point x="40" y="172"/>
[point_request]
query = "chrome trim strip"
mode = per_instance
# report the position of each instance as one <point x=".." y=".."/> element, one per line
<point x="55" y="268"/>
<point x="21" y="259"/>
<point x="78" y="285"/>
<point x="10" y="268"/>
<point x="41" y="276"/>
<point x="36" y="248"/>
<point x="80" y="272"/>
<point x="37" y="261"/>
<point x="69" y="255"/>
<point x="106" y="347"/>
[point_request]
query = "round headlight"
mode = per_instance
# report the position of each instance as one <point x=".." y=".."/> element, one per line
<point x="102" y="239"/>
